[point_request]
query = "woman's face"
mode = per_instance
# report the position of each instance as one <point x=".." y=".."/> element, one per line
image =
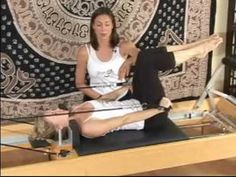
<point x="103" y="27"/>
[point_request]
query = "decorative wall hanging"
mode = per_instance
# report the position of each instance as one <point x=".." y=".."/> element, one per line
<point x="40" y="39"/>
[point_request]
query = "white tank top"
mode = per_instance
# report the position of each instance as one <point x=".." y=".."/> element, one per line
<point x="117" y="108"/>
<point x="104" y="73"/>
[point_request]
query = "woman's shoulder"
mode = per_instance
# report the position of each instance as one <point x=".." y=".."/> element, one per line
<point x="83" y="50"/>
<point x="82" y="54"/>
<point x="125" y="43"/>
<point x="126" y="46"/>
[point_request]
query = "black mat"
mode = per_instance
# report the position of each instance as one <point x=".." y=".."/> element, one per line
<point x="166" y="131"/>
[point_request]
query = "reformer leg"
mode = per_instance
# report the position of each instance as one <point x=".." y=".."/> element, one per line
<point x="209" y="86"/>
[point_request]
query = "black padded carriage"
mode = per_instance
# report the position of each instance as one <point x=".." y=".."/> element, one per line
<point x="165" y="131"/>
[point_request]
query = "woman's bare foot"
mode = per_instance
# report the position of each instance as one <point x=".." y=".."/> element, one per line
<point x="209" y="45"/>
<point x="204" y="40"/>
<point x="176" y="48"/>
<point x="213" y="36"/>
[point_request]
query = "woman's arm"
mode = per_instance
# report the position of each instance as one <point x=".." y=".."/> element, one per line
<point x="80" y="75"/>
<point x="130" y="52"/>
<point x="114" y="95"/>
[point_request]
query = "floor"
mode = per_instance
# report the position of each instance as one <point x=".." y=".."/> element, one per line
<point x="226" y="167"/>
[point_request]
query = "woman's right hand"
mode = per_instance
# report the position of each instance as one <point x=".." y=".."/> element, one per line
<point x="130" y="52"/>
<point x="125" y="69"/>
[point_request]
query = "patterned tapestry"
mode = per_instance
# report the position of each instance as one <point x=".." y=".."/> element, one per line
<point x="40" y="40"/>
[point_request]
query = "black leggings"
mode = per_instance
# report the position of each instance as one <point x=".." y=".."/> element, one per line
<point x="147" y="87"/>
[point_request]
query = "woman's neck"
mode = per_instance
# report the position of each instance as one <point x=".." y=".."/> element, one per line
<point x="104" y="44"/>
<point x="104" y="52"/>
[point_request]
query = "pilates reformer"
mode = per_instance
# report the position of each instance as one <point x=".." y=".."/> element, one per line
<point x="200" y="148"/>
<point x="215" y="117"/>
<point x="140" y="159"/>
<point x="224" y="120"/>
<point x="154" y="156"/>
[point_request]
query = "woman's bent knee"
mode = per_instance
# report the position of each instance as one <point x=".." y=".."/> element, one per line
<point x="91" y="131"/>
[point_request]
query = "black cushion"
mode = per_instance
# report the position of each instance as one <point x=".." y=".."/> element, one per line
<point x="167" y="131"/>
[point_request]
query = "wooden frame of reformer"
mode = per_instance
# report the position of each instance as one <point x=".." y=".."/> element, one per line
<point x="137" y="160"/>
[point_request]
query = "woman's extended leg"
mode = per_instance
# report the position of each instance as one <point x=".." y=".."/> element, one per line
<point x="146" y="84"/>
<point x="95" y="128"/>
<point x="200" y="50"/>
<point x="174" y="48"/>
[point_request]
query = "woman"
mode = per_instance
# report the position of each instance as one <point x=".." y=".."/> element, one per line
<point x="95" y="121"/>
<point x="102" y="58"/>
<point x="107" y="61"/>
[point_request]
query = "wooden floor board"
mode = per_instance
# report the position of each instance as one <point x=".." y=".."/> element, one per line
<point x="225" y="167"/>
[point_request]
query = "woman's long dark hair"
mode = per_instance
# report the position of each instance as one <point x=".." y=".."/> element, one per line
<point x="114" y="40"/>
